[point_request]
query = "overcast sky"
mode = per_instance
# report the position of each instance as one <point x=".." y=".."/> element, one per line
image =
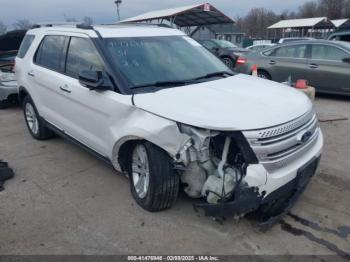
<point x="104" y="11"/>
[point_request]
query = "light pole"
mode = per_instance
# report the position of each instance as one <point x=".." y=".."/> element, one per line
<point x="118" y="3"/>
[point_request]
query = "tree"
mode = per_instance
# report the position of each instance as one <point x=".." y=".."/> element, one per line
<point x="3" y="28"/>
<point x="87" y="20"/>
<point x="333" y="9"/>
<point x="309" y="9"/>
<point x="69" y="19"/>
<point x="257" y="21"/>
<point x="22" y="24"/>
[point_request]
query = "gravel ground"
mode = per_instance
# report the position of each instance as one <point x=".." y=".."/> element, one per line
<point x="64" y="201"/>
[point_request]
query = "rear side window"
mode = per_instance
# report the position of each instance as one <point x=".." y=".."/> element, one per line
<point x="325" y="52"/>
<point x="82" y="55"/>
<point x="50" y="52"/>
<point x="209" y="45"/>
<point x="295" y="51"/>
<point x="345" y="38"/>
<point x="26" y="43"/>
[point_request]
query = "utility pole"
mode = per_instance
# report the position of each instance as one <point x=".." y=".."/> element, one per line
<point x="118" y="3"/>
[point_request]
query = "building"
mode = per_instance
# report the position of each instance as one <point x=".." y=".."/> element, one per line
<point x="228" y="32"/>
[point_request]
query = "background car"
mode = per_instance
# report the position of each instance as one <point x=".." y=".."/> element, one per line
<point x="293" y="39"/>
<point x="259" y="47"/>
<point x="225" y="50"/>
<point x="324" y="64"/>
<point x="340" y="36"/>
<point x="9" y="45"/>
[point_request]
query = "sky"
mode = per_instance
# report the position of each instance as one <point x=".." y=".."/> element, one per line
<point x="104" y="11"/>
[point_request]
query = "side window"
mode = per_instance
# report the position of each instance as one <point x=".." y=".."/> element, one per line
<point x="294" y="51"/>
<point x="50" y="52"/>
<point x="345" y="38"/>
<point x="82" y="55"/>
<point x="26" y="43"/>
<point x="271" y="52"/>
<point x="209" y="45"/>
<point x="325" y="52"/>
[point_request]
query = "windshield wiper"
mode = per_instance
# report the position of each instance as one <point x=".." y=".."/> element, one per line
<point x="219" y="73"/>
<point x="166" y="83"/>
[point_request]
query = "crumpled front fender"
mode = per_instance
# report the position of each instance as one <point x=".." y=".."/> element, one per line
<point x="142" y="125"/>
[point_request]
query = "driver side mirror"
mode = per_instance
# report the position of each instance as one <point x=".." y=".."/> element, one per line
<point x="346" y="60"/>
<point x="95" y="80"/>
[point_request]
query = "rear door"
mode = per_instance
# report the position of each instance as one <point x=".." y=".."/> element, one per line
<point x="44" y="76"/>
<point x="288" y="61"/>
<point x="326" y="70"/>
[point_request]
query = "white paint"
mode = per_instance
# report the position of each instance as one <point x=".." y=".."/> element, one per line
<point x="240" y="102"/>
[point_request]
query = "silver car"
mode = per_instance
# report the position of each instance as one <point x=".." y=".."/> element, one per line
<point x="8" y="84"/>
<point x="324" y="64"/>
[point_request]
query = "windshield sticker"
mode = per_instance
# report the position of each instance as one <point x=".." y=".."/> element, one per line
<point x="191" y="41"/>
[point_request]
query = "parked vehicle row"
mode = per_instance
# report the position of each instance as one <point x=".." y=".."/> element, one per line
<point x="324" y="64"/>
<point x="242" y="143"/>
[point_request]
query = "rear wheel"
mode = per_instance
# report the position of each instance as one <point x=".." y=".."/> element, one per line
<point x="228" y="61"/>
<point x="154" y="183"/>
<point x="35" y="124"/>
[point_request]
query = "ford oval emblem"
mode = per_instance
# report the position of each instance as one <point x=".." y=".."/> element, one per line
<point x="304" y="136"/>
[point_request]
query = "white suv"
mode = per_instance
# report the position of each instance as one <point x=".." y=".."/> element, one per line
<point x="162" y="109"/>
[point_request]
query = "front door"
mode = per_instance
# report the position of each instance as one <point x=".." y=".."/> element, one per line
<point x="89" y="114"/>
<point x="326" y="69"/>
<point x="288" y="62"/>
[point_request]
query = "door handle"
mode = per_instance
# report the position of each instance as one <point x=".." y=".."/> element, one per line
<point x="272" y="62"/>
<point x="313" y="66"/>
<point x="30" y="73"/>
<point x="66" y="89"/>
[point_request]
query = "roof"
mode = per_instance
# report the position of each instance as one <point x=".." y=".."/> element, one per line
<point x="112" y="30"/>
<point x="317" y="22"/>
<point x="192" y="15"/>
<point x="341" y="22"/>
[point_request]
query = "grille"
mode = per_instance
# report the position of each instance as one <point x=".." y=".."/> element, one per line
<point x="278" y="146"/>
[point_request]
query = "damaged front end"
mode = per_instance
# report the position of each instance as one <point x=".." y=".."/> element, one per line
<point x="222" y="168"/>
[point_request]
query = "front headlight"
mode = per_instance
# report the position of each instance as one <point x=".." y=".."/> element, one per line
<point x="7" y="76"/>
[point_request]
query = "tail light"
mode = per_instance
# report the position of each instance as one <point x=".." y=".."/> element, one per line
<point x="241" y="61"/>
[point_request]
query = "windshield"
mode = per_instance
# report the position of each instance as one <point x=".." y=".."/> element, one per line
<point x="225" y="44"/>
<point x="147" y="60"/>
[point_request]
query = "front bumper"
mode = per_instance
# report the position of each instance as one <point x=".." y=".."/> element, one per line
<point x="282" y="185"/>
<point x="7" y="89"/>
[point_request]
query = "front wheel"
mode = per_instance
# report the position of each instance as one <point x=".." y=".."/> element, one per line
<point x="264" y="75"/>
<point x="154" y="183"/>
<point x="35" y="124"/>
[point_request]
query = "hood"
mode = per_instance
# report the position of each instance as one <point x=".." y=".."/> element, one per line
<point x="240" y="102"/>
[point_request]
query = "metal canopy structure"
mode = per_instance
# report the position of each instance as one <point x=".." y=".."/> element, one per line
<point x="341" y="23"/>
<point x="186" y="16"/>
<point x="306" y="23"/>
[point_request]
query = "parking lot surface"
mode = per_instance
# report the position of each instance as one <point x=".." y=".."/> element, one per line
<point x="65" y="201"/>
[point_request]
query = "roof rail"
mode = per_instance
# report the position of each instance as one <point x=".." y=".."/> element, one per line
<point x="136" y="24"/>
<point x="77" y="25"/>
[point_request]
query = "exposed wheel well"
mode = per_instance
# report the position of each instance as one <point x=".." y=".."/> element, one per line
<point x="124" y="153"/>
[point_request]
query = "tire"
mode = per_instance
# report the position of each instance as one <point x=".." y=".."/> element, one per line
<point x="264" y="75"/>
<point x="228" y="61"/>
<point x="35" y="124"/>
<point x="159" y="190"/>
<point x="4" y="104"/>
